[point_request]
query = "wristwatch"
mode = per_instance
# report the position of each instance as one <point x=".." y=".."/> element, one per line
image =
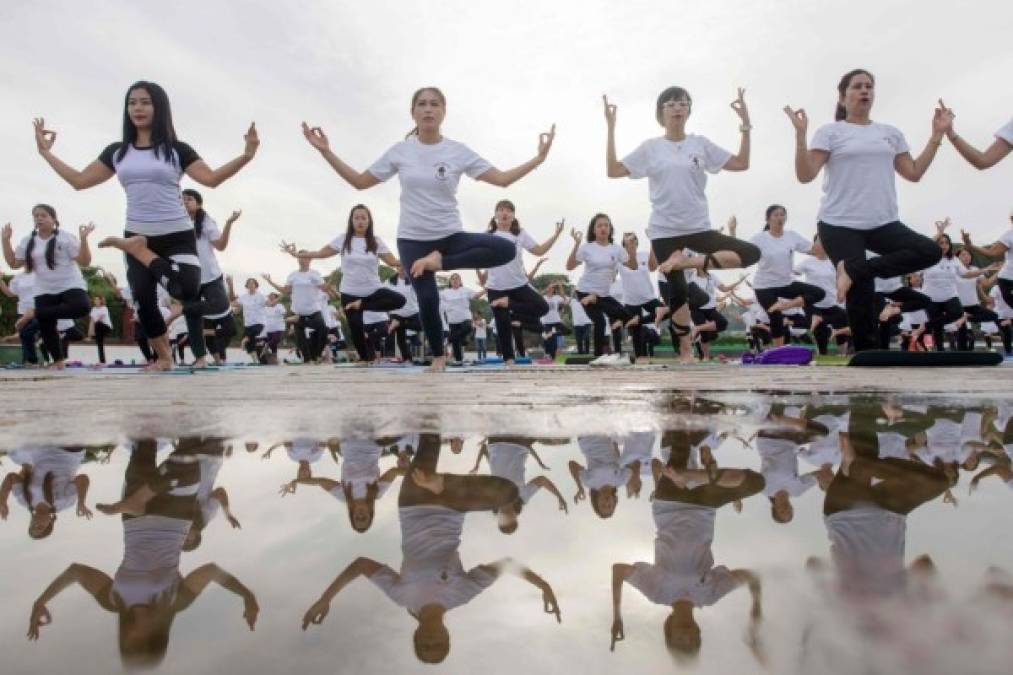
<point x="745" y="127"/>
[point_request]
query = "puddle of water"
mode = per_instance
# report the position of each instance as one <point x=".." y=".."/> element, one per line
<point x="801" y="533"/>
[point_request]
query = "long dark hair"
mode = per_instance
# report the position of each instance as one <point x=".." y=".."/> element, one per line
<point x="371" y="246"/>
<point x="590" y="227"/>
<point x="671" y="94"/>
<point x="50" y="247"/>
<point x="163" y="134"/>
<point x="839" y="112"/>
<point x="47" y="497"/>
<point x="949" y="245"/>
<point x="515" y="226"/>
<point x="198" y="218"/>
<point x="415" y="99"/>
<point x="770" y="210"/>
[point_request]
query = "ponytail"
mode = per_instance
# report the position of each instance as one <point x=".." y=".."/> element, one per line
<point x="839" y="112"/>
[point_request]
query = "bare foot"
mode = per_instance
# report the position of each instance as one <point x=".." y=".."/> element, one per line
<point x="129" y="245"/>
<point x="430" y="263"/>
<point x="24" y="319"/>
<point x="438" y="365"/>
<point x="353" y="306"/>
<point x="843" y="282"/>
<point x="891" y="310"/>
<point x="643" y="360"/>
<point x="57" y="365"/>
<point x="128" y="506"/>
<point x="677" y="261"/>
<point x="158" y="366"/>
<point x="686" y="351"/>
<point x="503" y="302"/>
<point x="202" y="362"/>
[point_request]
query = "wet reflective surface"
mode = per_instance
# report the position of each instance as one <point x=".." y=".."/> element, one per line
<point x="800" y="533"/>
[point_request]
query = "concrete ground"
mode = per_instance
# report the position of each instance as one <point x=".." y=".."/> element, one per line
<point x="94" y="407"/>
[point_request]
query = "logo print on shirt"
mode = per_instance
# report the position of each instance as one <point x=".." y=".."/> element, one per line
<point x="442" y="171"/>
<point x="695" y="160"/>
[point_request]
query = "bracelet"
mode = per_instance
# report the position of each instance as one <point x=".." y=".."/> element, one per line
<point x="744" y="128"/>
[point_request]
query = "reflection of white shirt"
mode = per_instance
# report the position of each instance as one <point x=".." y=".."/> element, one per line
<point x="826" y="449"/>
<point x="867" y="546"/>
<point x="63" y="464"/>
<point x="683" y="566"/>
<point x="779" y="466"/>
<point x="360" y="467"/>
<point x="603" y="467"/>
<point x="431" y="570"/>
<point x="638" y="446"/>
<point x="507" y="460"/>
<point x="149" y="572"/>
<point x="304" y="450"/>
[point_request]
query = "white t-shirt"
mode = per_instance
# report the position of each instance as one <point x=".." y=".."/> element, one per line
<point x="638" y="288"/>
<point x="431" y="569"/>
<point x="888" y="285"/>
<point x="677" y="178"/>
<point x="481" y="330"/>
<point x="411" y="303"/>
<point x="360" y="274"/>
<point x="867" y="547"/>
<point x="253" y="308"/>
<point x="304" y="291"/>
<point x="820" y="273"/>
<point x="209" y="269"/>
<point x="457" y="303"/>
<point x="101" y="315"/>
<point x="859" y="190"/>
<point x="507" y="460"/>
<point x="776" y="257"/>
<point x="939" y="282"/>
<point x="779" y="466"/>
<point x="154" y="202"/>
<point x="578" y="313"/>
<point x="1006" y="132"/>
<point x="967" y="288"/>
<point x="429" y="176"/>
<point x="512" y="275"/>
<point x="683" y="566"/>
<point x="304" y="450"/>
<point x="601" y="263"/>
<point x="1007" y="269"/>
<point x="328" y="311"/>
<point x="603" y="468"/>
<point x="552" y="316"/>
<point x="369" y="317"/>
<point x="360" y="467"/>
<point x="177" y="327"/>
<point x="23" y="285"/>
<point x="46" y="459"/>
<point x="274" y="318"/>
<point x="65" y="274"/>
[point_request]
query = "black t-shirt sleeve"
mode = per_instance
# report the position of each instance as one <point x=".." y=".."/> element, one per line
<point x="106" y="157"/>
<point x="187" y="155"/>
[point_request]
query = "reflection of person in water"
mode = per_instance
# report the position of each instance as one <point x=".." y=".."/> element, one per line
<point x="507" y="457"/>
<point x="211" y="500"/>
<point x="48" y="483"/>
<point x="432" y="580"/>
<point x="778" y="444"/>
<point x="148" y="591"/>
<point x="361" y="482"/>
<point x="603" y="474"/>
<point x="683" y="575"/>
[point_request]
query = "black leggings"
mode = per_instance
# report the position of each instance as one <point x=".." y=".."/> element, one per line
<point x="141" y="338"/>
<point x="461" y="250"/>
<point x="525" y="305"/>
<point x="405" y="324"/>
<point x="101" y="331"/>
<point x="638" y="333"/>
<point x="768" y="296"/>
<point x="311" y="347"/>
<point x="459" y="333"/>
<point x="597" y="311"/>
<point x="176" y="268"/>
<point x="900" y="250"/>
<point x="380" y="300"/>
<point x="252" y="336"/>
<point x="582" y="334"/>
<point x="701" y="316"/>
<point x="212" y="299"/>
<point x="72" y="334"/>
<point x="705" y="243"/>
<point x="909" y="300"/>
<point x="551" y="343"/>
<point x="976" y="314"/>
<point x="945" y="312"/>
<point x="70" y="304"/>
<point x="224" y="330"/>
<point x="832" y="318"/>
<point x="28" y="334"/>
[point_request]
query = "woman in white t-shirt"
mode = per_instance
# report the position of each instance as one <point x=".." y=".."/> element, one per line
<point x="552" y="322"/>
<point x="60" y="290"/>
<point x="251" y="305"/>
<point x="858" y="210"/>
<point x="212" y="302"/>
<point x="1003" y="246"/>
<point x="456" y="300"/>
<point x="481" y="335"/>
<point x="640" y="297"/>
<point x="430" y="234"/>
<point x="1000" y="148"/>
<point x="22" y="287"/>
<point x="967" y="292"/>
<point x="361" y="289"/>
<point x="827" y="316"/>
<point x="676" y="166"/>
<point x="301" y="287"/>
<point x="601" y="258"/>
<point x="406" y="317"/>
<point x="47" y="483"/>
<point x="275" y="313"/>
<point x="582" y="323"/>
<point x="100" y="324"/>
<point x="511" y="296"/>
<point x="939" y="283"/>
<point x="158" y="240"/>
<point x="772" y="280"/>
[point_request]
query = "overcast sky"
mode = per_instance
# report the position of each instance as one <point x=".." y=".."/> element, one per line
<point x="509" y="70"/>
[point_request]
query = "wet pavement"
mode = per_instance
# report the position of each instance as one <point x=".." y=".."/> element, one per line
<point x="605" y="522"/>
